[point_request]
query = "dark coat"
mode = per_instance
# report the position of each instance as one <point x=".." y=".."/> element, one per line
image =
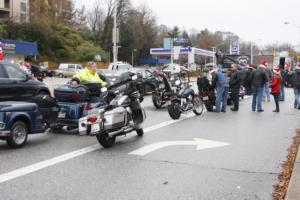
<point x="235" y="81"/>
<point x="259" y="78"/>
<point x="295" y="79"/>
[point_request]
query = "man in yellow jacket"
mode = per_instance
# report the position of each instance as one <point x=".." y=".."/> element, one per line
<point x="87" y="76"/>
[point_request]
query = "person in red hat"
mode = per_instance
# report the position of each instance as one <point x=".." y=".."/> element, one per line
<point x="296" y="86"/>
<point x="275" y="87"/>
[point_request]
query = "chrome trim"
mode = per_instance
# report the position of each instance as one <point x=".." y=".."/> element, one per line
<point x="4" y="133"/>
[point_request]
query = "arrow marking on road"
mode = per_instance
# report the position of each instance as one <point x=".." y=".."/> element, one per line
<point x="200" y="143"/>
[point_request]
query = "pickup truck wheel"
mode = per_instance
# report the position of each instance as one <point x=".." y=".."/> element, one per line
<point x="18" y="135"/>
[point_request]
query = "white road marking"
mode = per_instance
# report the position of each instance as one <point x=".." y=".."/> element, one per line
<point x="200" y="143"/>
<point x="54" y="161"/>
<point x="48" y="163"/>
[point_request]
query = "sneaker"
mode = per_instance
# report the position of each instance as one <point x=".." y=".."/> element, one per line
<point x="276" y="111"/>
<point x="234" y="109"/>
<point x="223" y="111"/>
<point x="260" y="110"/>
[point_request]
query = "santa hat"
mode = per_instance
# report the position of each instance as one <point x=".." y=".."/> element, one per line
<point x="298" y="66"/>
<point x="262" y="66"/>
<point x="264" y="63"/>
<point x="277" y="70"/>
<point x="250" y="66"/>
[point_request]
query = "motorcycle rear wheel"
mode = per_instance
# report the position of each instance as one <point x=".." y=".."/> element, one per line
<point x="173" y="111"/>
<point x="209" y="106"/>
<point x="105" y="140"/>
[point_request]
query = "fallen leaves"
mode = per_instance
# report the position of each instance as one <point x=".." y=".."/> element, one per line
<point x="287" y="171"/>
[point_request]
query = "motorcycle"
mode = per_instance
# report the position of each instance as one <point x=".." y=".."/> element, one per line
<point x="162" y="93"/>
<point x="122" y="115"/>
<point x="75" y="103"/>
<point x="183" y="100"/>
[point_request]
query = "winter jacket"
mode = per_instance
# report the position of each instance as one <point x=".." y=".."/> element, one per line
<point x="203" y="84"/>
<point x="220" y="80"/>
<point x="259" y="78"/>
<point x="87" y="76"/>
<point x="235" y="81"/>
<point x="275" y="85"/>
<point x="295" y="79"/>
<point x="269" y="74"/>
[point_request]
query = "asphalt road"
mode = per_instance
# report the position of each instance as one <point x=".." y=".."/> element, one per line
<point x="245" y="169"/>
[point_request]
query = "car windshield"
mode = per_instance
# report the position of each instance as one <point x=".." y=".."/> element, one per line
<point x="14" y="72"/>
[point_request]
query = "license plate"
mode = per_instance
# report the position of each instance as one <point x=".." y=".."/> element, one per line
<point x="205" y="98"/>
<point x="95" y="128"/>
<point x="62" y="115"/>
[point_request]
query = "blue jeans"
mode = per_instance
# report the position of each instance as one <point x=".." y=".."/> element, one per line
<point x="257" y="98"/>
<point x="267" y="91"/>
<point x="297" y="97"/>
<point x="222" y="94"/>
<point x="282" y="93"/>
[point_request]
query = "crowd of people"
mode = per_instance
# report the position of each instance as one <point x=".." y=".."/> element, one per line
<point x="261" y="82"/>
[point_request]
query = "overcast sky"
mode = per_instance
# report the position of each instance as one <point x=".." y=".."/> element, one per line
<point x="250" y="19"/>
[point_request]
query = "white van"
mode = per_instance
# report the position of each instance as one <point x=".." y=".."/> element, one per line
<point x="68" y="70"/>
<point x="120" y="66"/>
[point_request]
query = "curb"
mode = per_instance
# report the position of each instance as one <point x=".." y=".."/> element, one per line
<point x="293" y="192"/>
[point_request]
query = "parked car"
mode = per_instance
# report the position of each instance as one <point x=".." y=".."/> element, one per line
<point x="45" y="72"/>
<point x="149" y="79"/>
<point x="16" y="85"/>
<point x="68" y="70"/>
<point x="121" y="66"/>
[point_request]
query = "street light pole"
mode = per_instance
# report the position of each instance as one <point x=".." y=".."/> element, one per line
<point x="115" y="47"/>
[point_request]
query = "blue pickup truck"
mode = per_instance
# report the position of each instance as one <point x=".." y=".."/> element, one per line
<point x="19" y="119"/>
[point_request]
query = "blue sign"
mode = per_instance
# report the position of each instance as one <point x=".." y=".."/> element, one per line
<point x="167" y="43"/>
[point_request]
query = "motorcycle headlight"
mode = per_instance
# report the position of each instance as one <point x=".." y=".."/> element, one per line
<point x="177" y="83"/>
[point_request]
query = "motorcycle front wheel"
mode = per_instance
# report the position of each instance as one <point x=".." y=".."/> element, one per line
<point x="198" y="105"/>
<point x="105" y="140"/>
<point x="157" y="102"/>
<point x="174" y="111"/>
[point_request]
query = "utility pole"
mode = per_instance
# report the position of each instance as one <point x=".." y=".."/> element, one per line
<point x="115" y="37"/>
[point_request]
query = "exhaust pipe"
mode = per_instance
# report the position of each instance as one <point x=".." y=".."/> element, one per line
<point x="69" y="130"/>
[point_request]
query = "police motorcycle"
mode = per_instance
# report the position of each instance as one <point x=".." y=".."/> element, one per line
<point x="122" y="114"/>
<point x="184" y="99"/>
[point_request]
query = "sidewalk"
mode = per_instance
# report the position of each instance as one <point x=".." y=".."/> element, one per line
<point x="294" y="187"/>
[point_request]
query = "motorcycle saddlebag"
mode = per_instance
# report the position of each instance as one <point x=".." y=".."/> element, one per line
<point x="70" y="94"/>
<point x="115" y="118"/>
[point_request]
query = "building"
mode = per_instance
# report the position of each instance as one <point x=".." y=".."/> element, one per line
<point x="16" y="10"/>
<point x="15" y="50"/>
